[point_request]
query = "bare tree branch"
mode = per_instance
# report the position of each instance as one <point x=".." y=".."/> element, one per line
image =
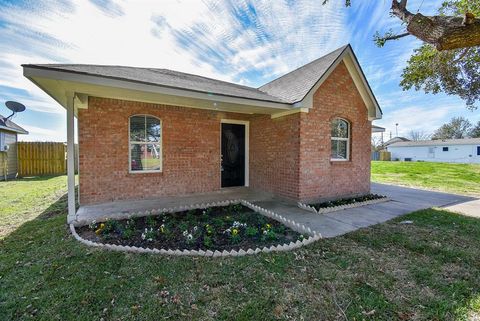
<point x="380" y="40"/>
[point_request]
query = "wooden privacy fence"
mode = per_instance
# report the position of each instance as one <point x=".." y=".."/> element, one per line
<point x="37" y="158"/>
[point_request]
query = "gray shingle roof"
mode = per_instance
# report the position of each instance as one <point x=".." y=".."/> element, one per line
<point x="287" y="89"/>
<point x="11" y="126"/>
<point x="295" y="85"/>
<point x="166" y="78"/>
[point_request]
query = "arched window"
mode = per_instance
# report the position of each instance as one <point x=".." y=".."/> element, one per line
<point x="145" y="144"/>
<point x="340" y="140"/>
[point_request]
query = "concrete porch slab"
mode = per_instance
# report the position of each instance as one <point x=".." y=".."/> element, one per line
<point x="124" y="209"/>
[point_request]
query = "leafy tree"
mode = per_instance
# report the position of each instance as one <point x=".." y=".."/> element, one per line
<point x="417" y="135"/>
<point x="457" y="128"/>
<point x="449" y="59"/>
<point x="475" y="132"/>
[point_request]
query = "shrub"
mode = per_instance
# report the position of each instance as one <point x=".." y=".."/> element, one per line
<point x="128" y="234"/>
<point x="269" y="235"/>
<point x="235" y="236"/>
<point x="207" y="241"/>
<point x="280" y="229"/>
<point x="110" y="226"/>
<point x="208" y="229"/>
<point x="149" y="234"/>
<point x="150" y="221"/>
<point x="237" y="208"/>
<point x="251" y="231"/>
<point x="163" y="229"/>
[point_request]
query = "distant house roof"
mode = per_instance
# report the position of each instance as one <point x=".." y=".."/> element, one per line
<point x="377" y="129"/>
<point x="438" y="142"/>
<point x="287" y="92"/>
<point x="395" y="140"/>
<point x="7" y="124"/>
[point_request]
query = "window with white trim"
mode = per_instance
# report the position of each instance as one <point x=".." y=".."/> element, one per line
<point x="145" y="140"/>
<point x="340" y="140"/>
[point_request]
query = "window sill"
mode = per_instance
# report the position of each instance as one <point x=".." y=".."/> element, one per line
<point x="145" y="172"/>
<point x="340" y="161"/>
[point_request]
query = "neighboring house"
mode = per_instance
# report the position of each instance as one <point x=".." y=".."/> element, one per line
<point x="146" y="133"/>
<point x="449" y="150"/>
<point x="8" y="148"/>
<point x="377" y="129"/>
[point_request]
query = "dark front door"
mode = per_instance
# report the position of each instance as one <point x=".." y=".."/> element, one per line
<point x="233" y="155"/>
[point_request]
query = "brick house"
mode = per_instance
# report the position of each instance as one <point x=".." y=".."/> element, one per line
<point x="145" y="133"/>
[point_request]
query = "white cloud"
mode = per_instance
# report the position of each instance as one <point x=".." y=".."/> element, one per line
<point x="41" y="134"/>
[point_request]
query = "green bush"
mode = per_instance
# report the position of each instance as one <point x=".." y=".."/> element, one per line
<point x="251" y="231"/>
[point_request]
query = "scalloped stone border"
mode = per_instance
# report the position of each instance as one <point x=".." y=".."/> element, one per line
<point x="313" y="235"/>
<point x="341" y="207"/>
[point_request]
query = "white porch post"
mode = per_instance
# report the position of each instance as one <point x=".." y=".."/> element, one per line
<point x="71" y="157"/>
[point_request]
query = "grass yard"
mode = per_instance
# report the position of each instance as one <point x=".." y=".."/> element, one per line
<point x="428" y="270"/>
<point x="24" y="199"/>
<point x="445" y="177"/>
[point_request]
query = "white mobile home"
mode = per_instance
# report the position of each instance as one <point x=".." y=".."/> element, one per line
<point x="449" y="150"/>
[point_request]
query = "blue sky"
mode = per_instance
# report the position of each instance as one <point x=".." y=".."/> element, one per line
<point x="247" y="42"/>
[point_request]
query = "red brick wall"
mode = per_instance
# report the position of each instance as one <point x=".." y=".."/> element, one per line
<point x="320" y="177"/>
<point x="289" y="156"/>
<point x="191" y="152"/>
<point x="274" y="154"/>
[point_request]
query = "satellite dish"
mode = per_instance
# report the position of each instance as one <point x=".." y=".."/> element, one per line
<point x="15" y="107"/>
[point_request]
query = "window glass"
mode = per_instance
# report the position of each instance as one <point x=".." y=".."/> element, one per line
<point x="339" y="149"/>
<point x="340" y="138"/>
<point x="339" y="128"/>
<point x="153" y="129"/>
<point x="137" y="128"/>
<point x="145" y="143"/>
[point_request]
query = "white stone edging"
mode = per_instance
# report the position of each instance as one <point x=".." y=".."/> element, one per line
<point x="313" y="235"/>
<point x="329" y="209"/>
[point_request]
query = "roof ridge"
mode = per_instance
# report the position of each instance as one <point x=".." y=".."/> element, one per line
<point x="342" y="48"/>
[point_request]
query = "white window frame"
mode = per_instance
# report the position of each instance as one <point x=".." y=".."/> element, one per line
<point x="159" y="143"/>
<point x="349" y="129"/>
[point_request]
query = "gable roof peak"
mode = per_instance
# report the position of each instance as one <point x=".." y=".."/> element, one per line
<point x="295" y="85"/>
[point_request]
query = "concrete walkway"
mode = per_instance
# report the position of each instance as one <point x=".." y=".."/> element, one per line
<point x="403" y="200"/>
<point x="471" y="208"/>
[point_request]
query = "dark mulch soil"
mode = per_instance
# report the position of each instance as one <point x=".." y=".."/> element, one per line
<point x="206" y="227"/>
<point x="346" y="201"/>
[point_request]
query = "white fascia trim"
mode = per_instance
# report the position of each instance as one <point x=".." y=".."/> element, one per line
<point x="30" y="73"/>
<point x="289" y="112"/>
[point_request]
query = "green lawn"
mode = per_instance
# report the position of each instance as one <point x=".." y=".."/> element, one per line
<point x="423" y="271"/>
<point x="453" y="178"/>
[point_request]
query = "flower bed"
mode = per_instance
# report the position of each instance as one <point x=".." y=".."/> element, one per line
<point x="331" y="206"/>
<point x="215" y="228"/>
